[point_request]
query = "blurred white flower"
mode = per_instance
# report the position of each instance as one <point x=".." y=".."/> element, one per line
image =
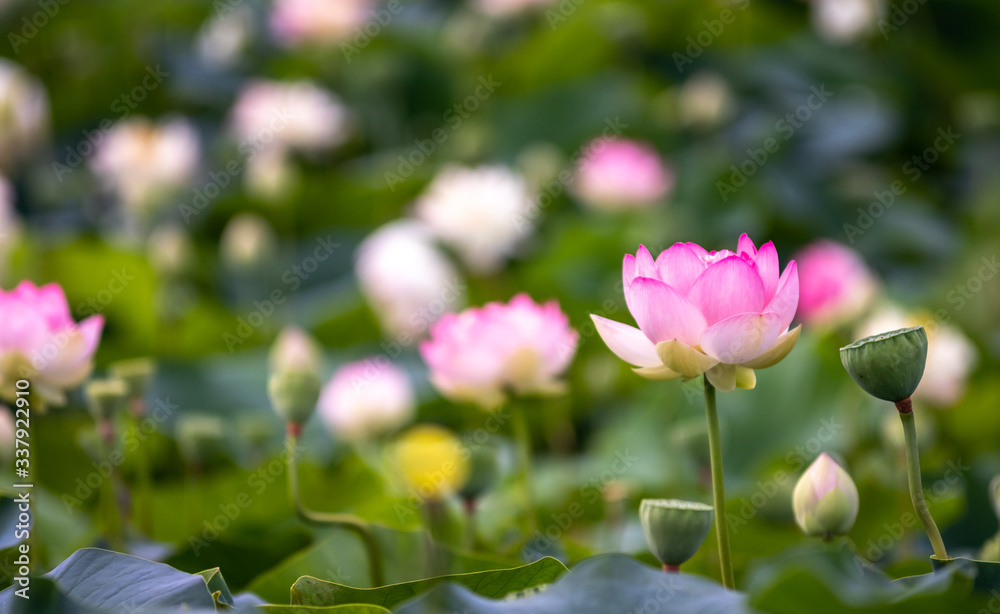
<point x="503" y="8"/>
<point x="483" y="213"/>
<point x="705" y="100"/>
<point x="406" y="278"/>
<point x="845" y="21"/>
<point x="224" y="37"/>
<point x="248" y="242"/>
<point x="143" y="162"/>
<point x="365" y="399"/>
<point x="24" y="113"/>
<point x="295" y="114"/>
<point x="318" y="22"/>
<point x="951" y="357"/>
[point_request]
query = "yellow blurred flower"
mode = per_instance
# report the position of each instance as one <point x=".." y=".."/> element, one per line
<point x="431" y="461"/>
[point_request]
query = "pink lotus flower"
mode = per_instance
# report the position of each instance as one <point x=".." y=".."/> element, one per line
<point x="722" y="313"/>
<point x="621" y="174"/>
<point x="482" y="353"/>
<point x="319" y="22"/>
<point x="366" y="399"/>
<point x="836" y="286"/>
<point x="40" y="342"/>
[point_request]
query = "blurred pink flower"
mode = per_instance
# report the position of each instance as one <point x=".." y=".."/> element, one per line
<point x="621" y="174"/>
<point x="836" y="285"/>
<point x="719" y="313"/>
<point x="40" y="342"/>
<point x="365" y="399"/>
<point x="24" y="114"/>
<point x="484" y="352"/>
<point x="288" y="114"/>
<point x="319" y="22"/>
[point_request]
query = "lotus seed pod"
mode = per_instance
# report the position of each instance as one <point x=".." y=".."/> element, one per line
<point x="675" y="529"/>
<point x="199" y="436"/>
<point x="888" y="366"/>
<point x="137" y="373"/>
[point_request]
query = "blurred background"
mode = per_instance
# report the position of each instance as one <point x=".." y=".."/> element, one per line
<point x="205" y="174"/>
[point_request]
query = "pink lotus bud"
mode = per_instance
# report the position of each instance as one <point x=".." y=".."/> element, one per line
<point x="617" y="174"/>
<point x="722" y="313"/>
<point x="406" y="278"/>
<point x="480" y="354"/>
<point x="483" y="213"/>
<point x="836" y="286"/>
<point x="825" y="499"/>
<point x="143" y="163"/>
<point x="24" y="114"/>
<point x="318" y="22"/>
<point x="366" y="399"/>
<point x="42" y="343"/>
<point x="295" y="350"/>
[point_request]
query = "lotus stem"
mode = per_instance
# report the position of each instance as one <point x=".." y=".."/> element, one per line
<point x="913" y="475"/>
<point x="718" y="487"/>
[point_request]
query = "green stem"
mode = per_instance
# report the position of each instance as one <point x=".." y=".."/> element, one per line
<point x="916" y="487"/>
<point x="718" y="487"/>
<point x="144" y="478"/>
<point x="523" y="437"/>
<point x="344" y="521"/>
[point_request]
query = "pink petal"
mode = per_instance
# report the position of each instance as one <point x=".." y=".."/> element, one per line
<point x="698" y="250"/>
<point x="767" y="268"/>
<point x="645" y="266"/>
<point x="742" y="337"/>
<point x="91" y="329"/>
<point x="726" y="288"/>
<point x="786" y="299"/>
<point x="627" y="342"/>
<point x="628" y="270"/>
<point x="746" y="246"/>
<point x="679" y="266"/>
<point x="664" y="314"/>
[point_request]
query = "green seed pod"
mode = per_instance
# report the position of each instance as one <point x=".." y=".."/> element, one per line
<point x="105" y="397"/>
<point x="199" y="436"/>
<point x="675" y="529"/>
<point x="888" y="366"/>
<point x="294" y="394"/>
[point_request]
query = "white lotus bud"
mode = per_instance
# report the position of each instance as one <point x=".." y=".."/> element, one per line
<point x="825" y="500"/>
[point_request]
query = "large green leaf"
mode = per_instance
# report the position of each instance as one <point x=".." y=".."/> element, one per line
<point x="340" y="556"/>
<point x="217" y="587"/>
<point x="495" y="584"/>
<point x="113" y="582"/>
<point x="600" y="585"/>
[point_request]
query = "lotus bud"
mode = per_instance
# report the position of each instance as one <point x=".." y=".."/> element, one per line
<point x="293" y="395"/>
<point x="171" y="251"/>
<point x="105" y="397"/>
<point x="294" y="350"/>
<point x="483" y="472"/>
<point x="199" y="436"/>
<point x="675" y="529"/>
<point x="431" y="462"/>
<point x="888" y="366"/>
<point x="248" y="243"/>
<point x="825" y="500"/>
<point x="137" y="373"/>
